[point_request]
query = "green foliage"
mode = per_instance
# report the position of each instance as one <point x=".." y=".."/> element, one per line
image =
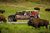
<point x="14" y="0"/>
<point x="17" y="1"/>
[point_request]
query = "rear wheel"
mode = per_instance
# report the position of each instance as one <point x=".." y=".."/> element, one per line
<point x="11" y="18"/>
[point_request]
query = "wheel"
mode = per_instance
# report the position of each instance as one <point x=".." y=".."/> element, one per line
<point x="11" y="18"/>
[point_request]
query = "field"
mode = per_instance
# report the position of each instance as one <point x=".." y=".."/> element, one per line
<point x="13" y="8"/>
<point x="23" y="28"/>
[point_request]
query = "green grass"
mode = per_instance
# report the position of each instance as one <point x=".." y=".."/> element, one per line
<point x="21" y="28"/>
<point x="13" y="8"/>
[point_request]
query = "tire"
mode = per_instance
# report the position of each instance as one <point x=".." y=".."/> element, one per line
<point x="11" y="18"/>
